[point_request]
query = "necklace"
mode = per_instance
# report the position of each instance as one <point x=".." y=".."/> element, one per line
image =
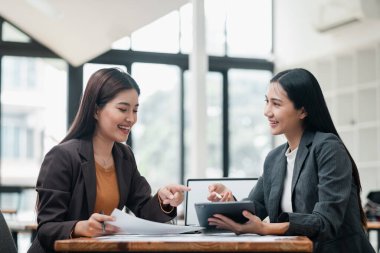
<point x="104" y="162"/>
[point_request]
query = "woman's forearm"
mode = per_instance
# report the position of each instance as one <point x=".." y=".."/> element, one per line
<point x="275" y="228"/>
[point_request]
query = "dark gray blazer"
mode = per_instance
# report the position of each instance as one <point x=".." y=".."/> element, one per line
<point x="66" y="189"/>
<point x="6" y="241"/>
<point x="324" y="198"/>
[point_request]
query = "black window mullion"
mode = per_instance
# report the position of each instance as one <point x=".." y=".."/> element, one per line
<point x="1" y="29"/>
<point x="225" y="126"/>
<point x="75" y="89"/>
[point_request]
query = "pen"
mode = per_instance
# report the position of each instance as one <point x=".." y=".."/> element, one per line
<point x="218" y="195"/>
<point x="103" y="224"/>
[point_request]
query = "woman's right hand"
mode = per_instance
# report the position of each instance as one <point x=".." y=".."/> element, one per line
<point x="219" y="193"/>
<point x="94" y="226"/>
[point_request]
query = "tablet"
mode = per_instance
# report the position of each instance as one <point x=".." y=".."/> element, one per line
<point x="241" y="188"/>
<point x="233" y="210"/>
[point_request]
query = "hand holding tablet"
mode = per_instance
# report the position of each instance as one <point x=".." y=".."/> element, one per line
<point x="233" y="210"/>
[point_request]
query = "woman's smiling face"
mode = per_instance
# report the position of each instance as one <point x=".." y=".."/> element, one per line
<point x="283" y="117"/>
<point x="116" y="118"/>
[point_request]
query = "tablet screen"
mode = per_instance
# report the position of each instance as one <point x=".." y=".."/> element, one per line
<point x="233" y="210"/>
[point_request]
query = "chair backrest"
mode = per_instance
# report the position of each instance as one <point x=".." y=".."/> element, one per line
<point x="240" y="187"/>
<point x="6" y="241"/>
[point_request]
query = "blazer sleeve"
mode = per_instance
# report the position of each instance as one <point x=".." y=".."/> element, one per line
<point x="141" y="202"/>
<point x="257" y="196"/>
<point x="53" y="187"/>
<point x="334" y="188"/>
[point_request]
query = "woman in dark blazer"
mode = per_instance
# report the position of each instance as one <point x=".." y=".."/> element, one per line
<point x="91" y="171"/>
<point x="310" y="185"/>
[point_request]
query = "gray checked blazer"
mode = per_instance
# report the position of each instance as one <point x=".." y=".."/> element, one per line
<point x="324" y="197"/>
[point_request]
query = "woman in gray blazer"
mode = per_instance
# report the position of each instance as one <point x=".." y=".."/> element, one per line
<point x="91" y="172"/>
<point x="310" y="185"/>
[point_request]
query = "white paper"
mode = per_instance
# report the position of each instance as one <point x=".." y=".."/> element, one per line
<point x="130" y="224"/>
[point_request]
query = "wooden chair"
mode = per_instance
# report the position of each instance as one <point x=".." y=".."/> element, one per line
<point x="6" y="241"/>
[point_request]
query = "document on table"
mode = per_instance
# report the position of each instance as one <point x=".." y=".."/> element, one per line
<point x="130" y="224"/>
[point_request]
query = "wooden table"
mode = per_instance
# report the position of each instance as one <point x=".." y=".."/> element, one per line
<point x="188" y="242"/>
<point x="9" y="211"/>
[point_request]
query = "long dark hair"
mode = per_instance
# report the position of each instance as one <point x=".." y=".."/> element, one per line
<point x="102" y="87"/>
<point x="304" y="91"/>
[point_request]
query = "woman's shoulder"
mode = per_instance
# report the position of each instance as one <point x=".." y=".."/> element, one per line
<point x="68" y="145"/>
<point x="323" y="138"/>
<point x="327" y="142"/>
<point x="277" y="150"/>
<point x="124" y="148"/>
<point x="71" y="143"/>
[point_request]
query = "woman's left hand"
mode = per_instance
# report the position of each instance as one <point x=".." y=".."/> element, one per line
<point x="253" y="225"/>
<point x="172" y="194"/>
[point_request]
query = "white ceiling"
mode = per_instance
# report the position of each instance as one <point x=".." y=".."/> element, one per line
<point x="79" y="30"/>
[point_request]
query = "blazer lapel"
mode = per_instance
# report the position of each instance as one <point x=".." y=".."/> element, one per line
<point x="303" y="151"/>
<point x="123" y="173"/>
<point x="279" y="172"/>
<point x="89" y="174"/>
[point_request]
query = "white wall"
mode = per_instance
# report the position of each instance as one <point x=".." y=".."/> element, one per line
<point x="297" y="40"/>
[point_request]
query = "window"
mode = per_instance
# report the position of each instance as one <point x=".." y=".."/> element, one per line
<point x="214" y="82"/>
<point x="20" y="74"/>
<point x="249" y="28"/>
<point x="250" y="140"/>
<point x="33" y="115"/>
<point x="156" y="134"/>
<point x="186" y="37"/>
<point x="215" y="20"/>
<point x="237" y="28"/>
<point x="215" y="14"/>
<point x="11" y="33"/>
<point x="122" y="44"/>
<point x="159" y="36"/>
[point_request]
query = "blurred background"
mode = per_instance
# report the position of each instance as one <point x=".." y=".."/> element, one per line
<point x="203" y="67"/>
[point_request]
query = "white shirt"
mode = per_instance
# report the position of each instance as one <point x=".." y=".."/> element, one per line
<point x="286" y="200"/>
